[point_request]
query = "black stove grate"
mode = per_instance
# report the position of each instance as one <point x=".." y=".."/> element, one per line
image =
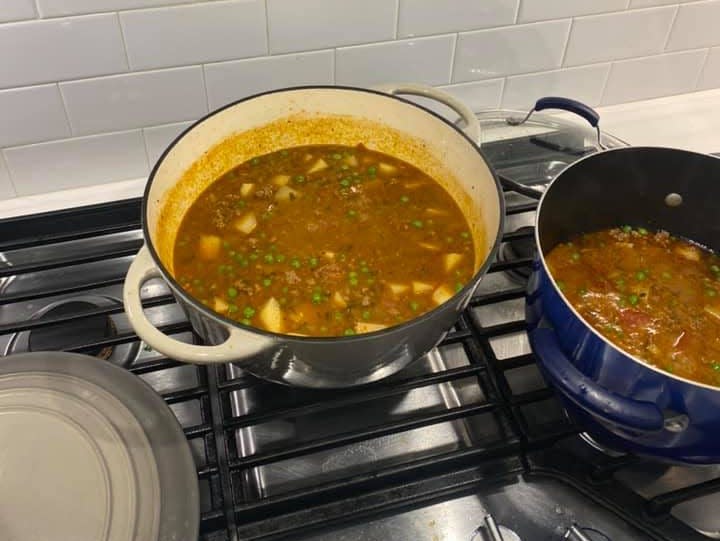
<point x="527" y="443"/>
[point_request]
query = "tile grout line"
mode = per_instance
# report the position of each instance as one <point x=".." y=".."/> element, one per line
<point x="453" y="54"/>
<point x="702" y="69"/>
<point x="517" y="12"/>
<point x="605" y="83"/>
<point x="124" y="42"/>
<point x="205" y="88"/>
<point x="65" y="109"/>
<point x="4" y="161"/>
<point x="567" y="43"/>
<point x="666" y="41"/>
<point x="397" y="19"/>
<point x="267" y="28"/>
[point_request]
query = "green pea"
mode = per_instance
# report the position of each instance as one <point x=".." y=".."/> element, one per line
<point x="240" y="203"/>
<point x="710" y="292"/>
<point x="626" y="229"/>
<point x="640" y="275"/>
<point x="715" y="268"/>
<point x="299" y="179"/>
<point x="352" y="213"/>
<point x="366" y="314"/>
<point x="715" y="366"/>
<point x="458" y="286"/>
<point x="232" y="309"/>
<point x="255" y="161"/>
<point x="417" y="224"/>
<point x="279" y="258"/>
<point x="248" y="312"/>
<point x="364" y="270"/>
<point x="313" y="262"/>
<point x="352" y="274"/>
<point x="317" y="298"/>
<point x="561" y="285"/>
<point x="371" y="170"/>
<point x="246" y="321"/>
<point x="465" y="235"/>
<point x="345" y="182"/>
<point x="267" y="282"/>
<point x="575" y="256"/>
<point x="349" y="332"/>
<point x="633" y="299"/>
<point x="404" y="199"/>
<point x="225" y="244"/>
<point x="253" y="256"/>
<point x="269" y="258"/>
<point x="232" y="292"/>
<point x="414" y="306"/>
<point x="344" y="167"/>
<point x="642" y="231"/>
<point x="337" y="156"/>
<point x="353" y="281"/>
<point x="295" y="263"/>
<point x="283" y="153"/>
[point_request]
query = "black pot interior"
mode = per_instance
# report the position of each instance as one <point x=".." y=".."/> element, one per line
<point x="630" y="186"/>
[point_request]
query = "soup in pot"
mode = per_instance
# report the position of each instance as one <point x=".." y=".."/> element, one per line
<point x="654" y="295"/>
<point x="324" y="240"/>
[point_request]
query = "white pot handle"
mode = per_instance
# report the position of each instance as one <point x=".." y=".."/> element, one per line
<point x="238" y="346"/>
<point x="472" y="125"/>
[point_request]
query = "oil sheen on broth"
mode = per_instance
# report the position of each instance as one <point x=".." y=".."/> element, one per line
<point x="652" y="294"/>
<point x="324" y="240"/>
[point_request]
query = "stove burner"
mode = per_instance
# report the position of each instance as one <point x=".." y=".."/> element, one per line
<point x="491" y="531"/>
<point x="68" y="334"/>
<point x="521" y="248"/>
<point x="65" y="335"/>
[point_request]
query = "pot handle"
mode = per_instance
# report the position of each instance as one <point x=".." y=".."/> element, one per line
<point x="472" y="125"/>
<point x="238" y="345"/>
<point x="564" y="104"/>
<point x="610" y="407"/>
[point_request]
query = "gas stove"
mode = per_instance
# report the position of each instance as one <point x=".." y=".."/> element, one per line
<point x="467" y="443"/>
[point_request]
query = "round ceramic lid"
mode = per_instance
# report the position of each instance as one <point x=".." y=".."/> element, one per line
<point x="90" y="451"/>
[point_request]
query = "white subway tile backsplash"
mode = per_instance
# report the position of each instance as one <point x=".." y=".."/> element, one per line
<point x="420" y="17"/>
<point x="230" y="81"/>
<point x="523" y="48"/>
<point x="584" y="84"/>
<point x="121" y="102"/>
<point x="648" y="3"/>
<point x="540" y="10"/>
<point x="180" y="35"/>
<point x="696" y="25"/>
<point x="301" y="25"/>
<point x="59" y="49"/>
<point x="710" y="76"/>
<point x="58" y="8"/>
<point x="32" y="114"/>
<point x="7" y="190"/>
<point x="654" y="76"/>
<point x="615" y="36"/>
<point x="17" y="10"/>
<point x="158" y="138"/>
<point x="72" y="163"/>
<point x="421" y="60"/>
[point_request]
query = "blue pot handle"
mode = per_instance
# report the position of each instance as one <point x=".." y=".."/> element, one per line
<point x="585" y="393"/>
<point x="564" y="104"/>
<point x="571" y="106"/>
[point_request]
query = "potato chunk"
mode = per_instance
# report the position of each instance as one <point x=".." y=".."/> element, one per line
<point x="286" y="193"/>
<point x="281" y="180"/>
<point x="318" y="166"/>
<point x="688" y="252"/>
<point x="365" y="326"/>
<point x="714" y="311"/>
<point x="338" y="300"/>
<point x="246" y="188"/>
<point x="247" y="223"/>
<point x="420" y="288"/>
<point x="398" y="289"/>
<point x="387" y="169"/>
<point x="442" y="294"/>
<point x="451" y="260"/>
<point x="219" y="305"/>
<point x="209" y="247"/>
<point x="270" y="315"/>
<point x="351" y="161"/>
<point x="429" y="246"/>
<point x="430" y="211"/>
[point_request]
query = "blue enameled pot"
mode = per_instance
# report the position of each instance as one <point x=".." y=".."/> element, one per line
<point x="620" y="400"/>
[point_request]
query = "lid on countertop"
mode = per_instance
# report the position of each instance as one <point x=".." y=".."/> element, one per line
<point x="89" y="451"/>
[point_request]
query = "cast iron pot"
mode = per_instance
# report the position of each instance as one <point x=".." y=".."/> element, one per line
<point x="302" y="116"/>
<point x="620" y="400"/>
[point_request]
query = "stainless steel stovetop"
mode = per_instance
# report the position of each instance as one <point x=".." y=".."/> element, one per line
<point x="469" y="430"/>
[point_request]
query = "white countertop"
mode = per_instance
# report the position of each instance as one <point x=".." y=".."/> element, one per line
<point x="687" y="121"/>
